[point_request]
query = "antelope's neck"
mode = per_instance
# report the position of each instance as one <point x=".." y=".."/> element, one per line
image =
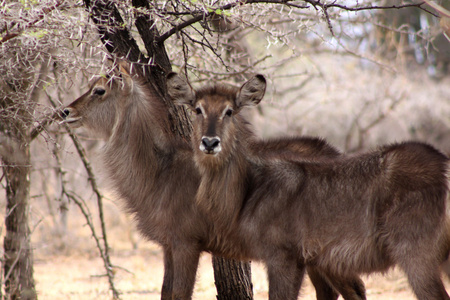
<point x="223" y="189"/>
<point x="137" y="149"/>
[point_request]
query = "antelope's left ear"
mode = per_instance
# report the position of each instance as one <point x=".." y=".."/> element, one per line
<point x="251" y="92"/>
<point x="124" y="69"/>
<point x="179" y="90"/>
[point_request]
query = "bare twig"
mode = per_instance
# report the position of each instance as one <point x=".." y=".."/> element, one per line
<point x="104" y="251"/>
<point x="204" y="15"/>
<point x="13" y="265"/>
<point x="239" y="72"/>
<point x="316" y="3"/>
<point x="439" y="8"/>
<point x="327" y="18"/>
<point x="43" y="123"/>
<point x="362" y="131"/>
<point x="369" y="7"/>
<point x="93" y="182"/>
<point x="10" y="35"/>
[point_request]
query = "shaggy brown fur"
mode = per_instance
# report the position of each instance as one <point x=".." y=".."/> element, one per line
<point x="345" y="216"/>
<point x="153" y="172"/>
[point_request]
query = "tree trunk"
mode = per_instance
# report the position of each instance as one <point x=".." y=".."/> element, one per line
<point x="232" y="278"/>
<point x="18" y="256"/>
<point x="18" y="96"/>
<point x="15" y="157"/>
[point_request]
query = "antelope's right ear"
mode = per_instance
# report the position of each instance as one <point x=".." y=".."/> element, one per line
<point x="179" y="90"/>
<point x="252" y="92"/>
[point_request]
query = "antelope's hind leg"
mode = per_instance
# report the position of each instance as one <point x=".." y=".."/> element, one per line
<point x="420" y="250"/>
<point x="329" y="287"/>
<point x="425" y="281"/>
<point x="420" y="259"/>
<point x="324" y="291"/>
<point x="350" y="287"/>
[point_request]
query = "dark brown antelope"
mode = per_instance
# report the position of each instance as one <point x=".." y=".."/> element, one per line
<point x="153" y="172"/>
<point x="345" y="216"/>
<point x="149" y="169"/>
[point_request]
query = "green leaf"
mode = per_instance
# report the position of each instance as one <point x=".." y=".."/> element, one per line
<point x="39" y="33"/>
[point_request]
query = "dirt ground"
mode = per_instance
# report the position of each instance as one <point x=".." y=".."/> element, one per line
<point x="139" y="276"/>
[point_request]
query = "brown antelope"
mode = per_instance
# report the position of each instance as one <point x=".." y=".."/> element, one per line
<point x="346" y="216"/>
<point x="153" y="172"/>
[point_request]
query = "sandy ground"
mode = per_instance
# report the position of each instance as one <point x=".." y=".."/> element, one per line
<point x="139" y="276"/>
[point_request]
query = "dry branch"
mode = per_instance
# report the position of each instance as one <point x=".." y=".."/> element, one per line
<point x="18" y="31"/>
<point x="93" y="182"/>
<point x="104" y="250"/>
<point x="199" y="16"/>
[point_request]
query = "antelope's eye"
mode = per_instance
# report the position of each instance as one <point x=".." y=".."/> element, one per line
<point x="229" y="112"/>
<point x="198" y="111"/>
<point x="98" y="91"/>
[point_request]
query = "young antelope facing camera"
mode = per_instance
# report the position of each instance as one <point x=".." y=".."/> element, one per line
<point x="346" y="216"/>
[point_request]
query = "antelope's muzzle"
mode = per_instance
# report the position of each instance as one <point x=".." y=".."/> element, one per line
<point x="210" y="145"/>
<point x="67" y="115"/>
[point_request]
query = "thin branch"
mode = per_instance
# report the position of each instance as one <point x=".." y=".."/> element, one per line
<point x="13" y="265"/>
<point x="384" y="114"/>
<point x="439" y="8"/>
<point x="327" y="18"/>
<point x="362" y="131"/>
<point x="240" y="72"/>
<point x="43" y="123"/>
<point x="10" y="35"/>
<point x="369" y="7"/>
<point x="91" y="178"/>
<point x="93" y="182"/>
<point x="204" y="15"/>
<point x="206" y="44"/>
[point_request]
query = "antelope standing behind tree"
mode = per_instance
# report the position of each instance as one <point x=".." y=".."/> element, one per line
<point x="153" y="172"/>
<point x="346" y="216"/>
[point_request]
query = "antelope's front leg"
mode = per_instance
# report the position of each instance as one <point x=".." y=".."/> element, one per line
<point x="185" y="264"/>
<point x="285" y="279"/>
<point x="167" y="286"/>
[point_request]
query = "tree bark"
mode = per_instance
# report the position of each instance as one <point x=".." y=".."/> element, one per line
<point x="232" y="278"/>
<point x="18" y="256"/>
<point x="18" y="96"/>
<point x="15" y="157"/>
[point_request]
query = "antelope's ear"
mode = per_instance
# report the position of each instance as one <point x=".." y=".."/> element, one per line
<point x="179" y="90"/>
<point x="251" y="92"/>
<point x="124" y="69"/>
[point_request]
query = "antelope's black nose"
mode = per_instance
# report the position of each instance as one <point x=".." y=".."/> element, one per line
<point x="210" y="144"/>
<point x="65" y="113"/>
